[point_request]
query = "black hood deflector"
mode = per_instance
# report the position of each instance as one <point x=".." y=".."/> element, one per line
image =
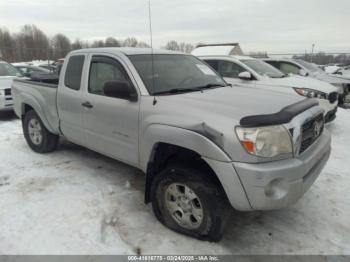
<point x="282" y="117"/>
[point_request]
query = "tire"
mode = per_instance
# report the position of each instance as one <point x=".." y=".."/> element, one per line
<point x="48" y="141"/>
<point x="212" y="201"/>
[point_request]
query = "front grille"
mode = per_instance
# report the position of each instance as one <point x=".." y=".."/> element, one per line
<point x="311" y="130"/>
<point x="332" y="97"/>
<point x="7" y="91"/>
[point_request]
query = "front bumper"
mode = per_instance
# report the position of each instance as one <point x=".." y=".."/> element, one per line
<point x="278" y="184"/>
<point x="329" y="109"/>
<point x="331" y="115"/>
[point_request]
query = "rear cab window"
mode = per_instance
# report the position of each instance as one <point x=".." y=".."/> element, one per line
<point x="74" y="72"/>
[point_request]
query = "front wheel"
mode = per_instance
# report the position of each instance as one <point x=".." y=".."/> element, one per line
<point x="37" y="136"/>
<point x="187" y="201"/>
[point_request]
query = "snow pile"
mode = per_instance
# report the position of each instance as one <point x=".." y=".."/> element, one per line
<point x="75" y="201"/>
<point x="34" y="63"/>
<point x="331" y="69"/>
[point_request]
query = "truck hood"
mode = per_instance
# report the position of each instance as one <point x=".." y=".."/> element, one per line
<point x="299" y="82"/>
<point x="224" y="104"/>
<point x="6" y="82"/>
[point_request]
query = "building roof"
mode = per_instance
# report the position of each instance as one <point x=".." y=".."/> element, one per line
<point x="218" y="49"/>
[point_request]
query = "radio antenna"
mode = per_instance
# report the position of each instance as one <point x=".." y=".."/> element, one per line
<point x="152" y="53"/>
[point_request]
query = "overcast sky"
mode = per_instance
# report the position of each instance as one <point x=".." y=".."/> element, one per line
<point x="259" y="25"/>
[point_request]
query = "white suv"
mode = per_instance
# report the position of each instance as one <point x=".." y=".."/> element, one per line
<point x="255" y="73"/>
<point x="7" y="74"/>
<point x="312" y="71"/>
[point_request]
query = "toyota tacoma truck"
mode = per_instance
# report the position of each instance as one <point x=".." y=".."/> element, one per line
<point x="203" y="145"/>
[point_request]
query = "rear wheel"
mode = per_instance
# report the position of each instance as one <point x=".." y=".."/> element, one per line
<point x="37" y="136"/>
<point x="187" y="201"/>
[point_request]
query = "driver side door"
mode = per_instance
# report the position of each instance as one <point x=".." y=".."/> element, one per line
<point x="111" y="124"/>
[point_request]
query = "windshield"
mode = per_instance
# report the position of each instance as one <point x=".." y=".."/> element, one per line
<point x="263" y="68"/>
<point x="310" y="66"/>
<point x="8" y="70"/>
<point x="175" y="72"/>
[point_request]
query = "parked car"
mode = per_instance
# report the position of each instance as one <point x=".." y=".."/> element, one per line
<point x="59" y="61"/>
<point x="7" y="74"/>
<point x="300" y="67"/>
<point x="28" y="70"/>
<point x="343" y="72"/>
<point x="255" y="73"/>
<point x="48" y="67"/>
<point x="202" y="145"/>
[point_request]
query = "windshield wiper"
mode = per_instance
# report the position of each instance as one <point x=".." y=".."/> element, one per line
<point x="281" y="76"/>
<point x="187" y="90"/>
<point x="208" y="86"/>
<point x="177" y="91"/>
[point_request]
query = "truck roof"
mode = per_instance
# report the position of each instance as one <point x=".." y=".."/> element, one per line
<point x="127" y="51"/>
<point x="237" y="57"/>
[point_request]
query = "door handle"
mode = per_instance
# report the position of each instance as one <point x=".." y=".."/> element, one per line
<point x="87" y="105"/>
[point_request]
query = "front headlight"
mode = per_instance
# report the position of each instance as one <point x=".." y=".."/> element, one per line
<point x="310" y="93"/>
<point x="267" y="141"/>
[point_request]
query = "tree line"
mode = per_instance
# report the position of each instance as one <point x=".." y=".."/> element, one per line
<point x="322" y="58"/>
<point x="31" y="43"/>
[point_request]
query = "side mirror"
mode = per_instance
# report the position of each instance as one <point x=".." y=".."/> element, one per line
<point x="245" y="76"/>
<point x="302" y="72"/>
<point x="120" y="89"/>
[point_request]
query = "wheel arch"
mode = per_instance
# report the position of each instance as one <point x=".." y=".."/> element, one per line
<point x="165" y="144"/>
<point x="29" y="103"/>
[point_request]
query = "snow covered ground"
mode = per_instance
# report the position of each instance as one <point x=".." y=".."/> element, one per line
<point x="75" y="201"/>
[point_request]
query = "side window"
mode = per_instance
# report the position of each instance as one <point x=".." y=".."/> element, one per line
<point x="74" y="72"/>
<point x="213" y="63"/>
<point x="274" y="64"/>
<point x="289" y="68"/>
<point x="229" y="69"/>
<point x="102" y="70"/>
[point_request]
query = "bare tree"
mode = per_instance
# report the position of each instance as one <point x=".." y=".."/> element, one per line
<point x="98" y="43"/>
<point x="186" y="47"/>
<point x="61" y="46"/>
<point x="259" y="54"/>
<point x="6" y="45"/>
<point x="130" y="42"/>
<point x="33" y="43"/>
<point x="77" y="44"/>
<point x="172" y="45"/>
<point x="175" y="46"/>
<point x="112" y="42"/>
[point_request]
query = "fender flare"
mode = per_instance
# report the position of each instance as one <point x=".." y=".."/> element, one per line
<point x="27" y="99"/>
<point x="217" y="159"/>
<point x="158" y="133"/>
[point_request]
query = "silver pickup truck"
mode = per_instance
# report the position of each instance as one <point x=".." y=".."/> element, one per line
<point x="202" y="144"/>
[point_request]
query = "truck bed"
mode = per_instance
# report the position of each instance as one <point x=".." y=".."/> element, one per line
<point x="41" y="97"/>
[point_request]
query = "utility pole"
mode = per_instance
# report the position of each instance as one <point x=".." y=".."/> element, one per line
<point x="312" y="52"/>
